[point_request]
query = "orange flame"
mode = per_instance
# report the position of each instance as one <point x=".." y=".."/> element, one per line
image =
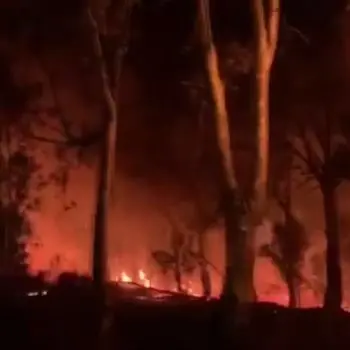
<point x="145" y="281"/>
<point x="142" y="278"/>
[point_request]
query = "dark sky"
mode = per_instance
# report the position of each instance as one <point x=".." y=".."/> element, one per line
<point x="162" y="55"/>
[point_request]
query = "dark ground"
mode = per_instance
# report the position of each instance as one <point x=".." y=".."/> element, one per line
<point x="65" y="318"/>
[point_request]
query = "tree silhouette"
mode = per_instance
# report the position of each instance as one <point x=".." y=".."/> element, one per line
<point x="16" y="172"/>
<point x="287" y="251"/>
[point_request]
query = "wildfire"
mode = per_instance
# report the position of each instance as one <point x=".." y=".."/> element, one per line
<point x="145" y="281"/>
<point x="124" y="278"/>
<point x="142" y="279"/>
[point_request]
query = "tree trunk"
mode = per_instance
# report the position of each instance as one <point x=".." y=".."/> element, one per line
<point x="266" y="36"/>
<point x="292" y="290"/>
<point x="232" y="204"/>
<point x="106" y="166"/>
<point x="110" y="80"/>
<point x="333" y="293"/>
<point x="177" y="272"/>
<point x="177" y="246"/>
<point x="203" y="267"/>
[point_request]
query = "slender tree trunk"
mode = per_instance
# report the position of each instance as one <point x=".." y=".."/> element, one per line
<point x="203" y="267"/>
<point x="177" y="245"/>
<point x="292" y="276"/>
<point x="292" y="290"/>
<point x="232" y="204"/>
<point x="333" y="293"/>
<point x="266" y="36"/>
<point x="106" y="165"/>
<point x="201" y="234"/>
<point x="177" y="270"/>
<point x="106" y="174"/>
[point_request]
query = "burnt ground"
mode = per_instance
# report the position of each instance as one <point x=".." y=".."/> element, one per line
<point x="66" y="319"/>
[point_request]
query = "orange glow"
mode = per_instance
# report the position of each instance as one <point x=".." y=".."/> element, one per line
<point x="144" y="280"/>
<point x="124" y="278"/>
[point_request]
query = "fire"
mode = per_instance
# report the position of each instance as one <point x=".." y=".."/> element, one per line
<point x="124" y="277"/>
<point x="145" y="281"/>
<point x="142" y="279"/>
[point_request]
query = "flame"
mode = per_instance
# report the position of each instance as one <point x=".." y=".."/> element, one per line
<point x="142" y="279"/>
<point x="124" y="277"/>
<point x="145" y="281"/>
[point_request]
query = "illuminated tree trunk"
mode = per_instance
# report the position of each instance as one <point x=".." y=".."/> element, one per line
<point x="106" y="165"/>
<point x="266" y="25"/>
<point x="109" y="67"/>
<point x="109" y="75"/>
<point x="235" y="250"/>
<point x="266" y="36"/>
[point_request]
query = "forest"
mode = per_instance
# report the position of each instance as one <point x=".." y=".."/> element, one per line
<point x="200" y="147"/>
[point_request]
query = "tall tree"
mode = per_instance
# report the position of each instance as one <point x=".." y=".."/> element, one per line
<point x="109" y="62"/>
<point x="287" y="250"/>
<point x="266" y="28"/>
<point x="232" y="204"/>
<point x="329" y="170"/>
<point x="109" y="65"/>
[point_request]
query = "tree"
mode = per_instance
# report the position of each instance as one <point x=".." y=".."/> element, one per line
<point x="237" y="253"/>
<point x="266" y="37"/>
<point x="16" y="172"/>
<point x="203" y="220"/>
<point x="329" y="170"/>
<point x="266" y="28"/>
<point x="203" y="216"/>
<point x="286" y="251"/>
<point x="319" y="144"/>
<point x="323" y="154"/>
<point x="110" y="83"/>
<point x="179" y="260"/>
<point x="289" y="243"/>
